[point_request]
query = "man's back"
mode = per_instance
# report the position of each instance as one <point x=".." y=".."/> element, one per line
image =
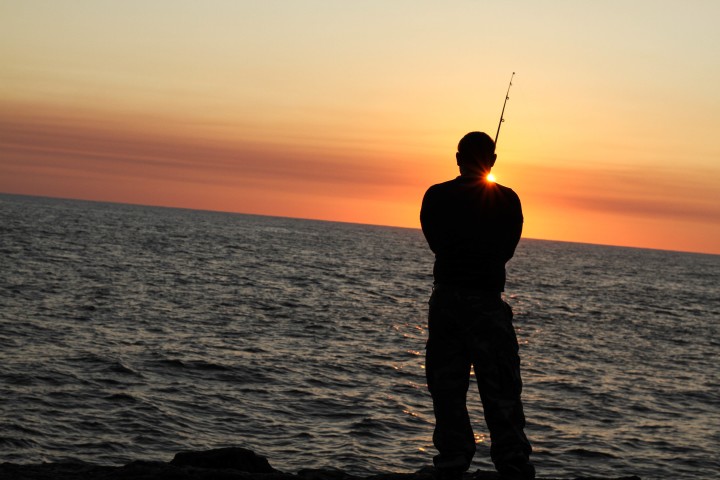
<point x="473" y="226"/>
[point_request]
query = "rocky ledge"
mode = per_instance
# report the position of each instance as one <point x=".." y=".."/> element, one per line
<point x="219" y="464"/>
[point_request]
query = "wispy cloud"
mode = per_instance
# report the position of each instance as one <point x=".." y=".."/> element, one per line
<point x="629" y="190"/>
<point x="74" y="144"/>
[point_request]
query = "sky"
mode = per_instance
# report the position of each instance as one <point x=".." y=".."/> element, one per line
<point x="349" y="111"/>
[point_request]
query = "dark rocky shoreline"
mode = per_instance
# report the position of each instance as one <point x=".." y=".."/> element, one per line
<point x="218" y="464"/>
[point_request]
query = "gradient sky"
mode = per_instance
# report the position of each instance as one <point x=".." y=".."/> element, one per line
<point x="348" y="111"/>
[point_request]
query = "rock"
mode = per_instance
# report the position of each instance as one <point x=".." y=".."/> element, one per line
<point x="234" y="458"/>
<point x="219" y="464"/>
<point x="323" y="474"/>
<point x="52" y="471"/>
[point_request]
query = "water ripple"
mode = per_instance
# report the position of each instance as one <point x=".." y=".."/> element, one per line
<point x="132" y="333"/>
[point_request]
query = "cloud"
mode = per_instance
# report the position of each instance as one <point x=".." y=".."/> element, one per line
<point x="630" y="190"/>
<point x="687" y="210"/>
<point x="76" y="144"/>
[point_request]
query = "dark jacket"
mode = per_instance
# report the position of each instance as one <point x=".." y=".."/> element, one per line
<point x="473" y="227"/>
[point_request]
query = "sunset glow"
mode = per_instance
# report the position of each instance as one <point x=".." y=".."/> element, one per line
<point x="349" y="111"/>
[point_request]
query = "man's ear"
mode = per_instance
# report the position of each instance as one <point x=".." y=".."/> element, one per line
<point x="457" y="158"/>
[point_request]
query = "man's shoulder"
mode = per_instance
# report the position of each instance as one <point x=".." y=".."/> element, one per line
<point x="507" y="190"/>
<point x="443" y="185"/>
<point x="461" y="184"/>
<point x="439" y="189"/>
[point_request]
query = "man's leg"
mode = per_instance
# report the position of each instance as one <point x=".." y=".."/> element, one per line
<point x="447" y="367"/>
<point x="497" y="369"/>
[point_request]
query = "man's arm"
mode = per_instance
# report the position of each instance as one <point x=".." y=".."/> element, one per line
<point x="515" y="225"/>
<point x="428" y="219"/>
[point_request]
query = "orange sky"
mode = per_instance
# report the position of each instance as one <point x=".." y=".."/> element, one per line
<point x="349" y="112"/>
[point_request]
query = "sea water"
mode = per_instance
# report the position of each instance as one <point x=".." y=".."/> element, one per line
<point x="130" y="332"/>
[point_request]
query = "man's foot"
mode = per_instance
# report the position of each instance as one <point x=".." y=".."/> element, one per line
<point x="485" y="475"/>
<point x="445" y="473"/>
<point x="448" y="474"/>
<point x="517" y="472"/>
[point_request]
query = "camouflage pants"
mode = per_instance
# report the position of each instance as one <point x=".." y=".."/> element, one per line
<point x="467" y="329"/>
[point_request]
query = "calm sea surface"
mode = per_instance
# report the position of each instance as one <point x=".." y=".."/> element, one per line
<point x="133" y="332"/>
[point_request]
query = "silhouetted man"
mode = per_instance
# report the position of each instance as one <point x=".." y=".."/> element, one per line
<point x="473" y="226"/>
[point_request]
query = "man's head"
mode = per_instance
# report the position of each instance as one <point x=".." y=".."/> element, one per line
<point x="476" y="153"/>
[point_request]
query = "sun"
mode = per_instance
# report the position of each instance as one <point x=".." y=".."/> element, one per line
<point x="490" y="178"/>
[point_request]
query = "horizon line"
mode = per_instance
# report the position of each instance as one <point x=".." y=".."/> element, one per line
<point x="172" y="207"/>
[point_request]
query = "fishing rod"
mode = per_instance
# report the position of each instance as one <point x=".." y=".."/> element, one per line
<point x="507" y="97"/>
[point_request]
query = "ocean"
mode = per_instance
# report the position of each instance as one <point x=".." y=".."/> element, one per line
<point x="131" y="332"/>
